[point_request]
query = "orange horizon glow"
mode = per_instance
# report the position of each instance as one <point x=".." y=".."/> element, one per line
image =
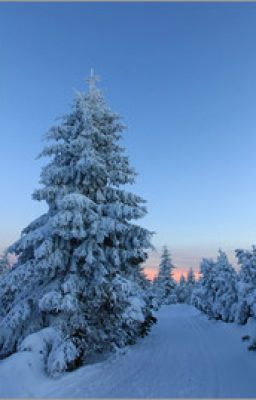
<point x="152" y="272"/>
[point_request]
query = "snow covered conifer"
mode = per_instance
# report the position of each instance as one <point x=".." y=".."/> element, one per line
<point x="203" y="295"/>
<point x="182" y="290"/>
<point x="191" y="281"/>
<point x="215" y="293"/>
<point x="164" y="283"/>
<point x="246" y="285"/>
<point x="78" y="264"/>
<point x="225" y="301"/>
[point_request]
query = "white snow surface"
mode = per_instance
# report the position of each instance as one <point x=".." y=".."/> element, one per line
<point x="185" y="355"/>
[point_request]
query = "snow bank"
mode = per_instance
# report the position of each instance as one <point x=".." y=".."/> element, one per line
<point x="185" y="355"/>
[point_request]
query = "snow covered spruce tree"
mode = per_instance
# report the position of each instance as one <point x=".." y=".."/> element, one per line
<point x="182" y="290"/>
<point x="164" y="284"/>
<point x="77" y="281"/>
<point x="185" y="287"/>
<point x="191" y="281"/>
<point x="224" y="306"/>
<point x="215" y="293"/>
<point x="203" y="295"/>
<point x="246" y="285"/>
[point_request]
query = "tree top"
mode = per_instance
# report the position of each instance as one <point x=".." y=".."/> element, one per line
<point x="92" y="80"/>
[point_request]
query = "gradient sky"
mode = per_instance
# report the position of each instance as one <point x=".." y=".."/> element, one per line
<point x="183" y="76"/>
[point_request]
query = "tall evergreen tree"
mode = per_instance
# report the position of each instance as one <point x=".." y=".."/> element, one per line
<point x="78" y="264"/>
<point x="225" y="302"/>
<point x="215" y="293"/>
<point x="203" y="295"/>
<point x="246" y="306"/>
<point x="165" y="285"/>
<point x="191" y="281"/>
<point x="182" y="290"/>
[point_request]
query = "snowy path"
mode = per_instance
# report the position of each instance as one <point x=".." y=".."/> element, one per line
<point x="185" y="355"/>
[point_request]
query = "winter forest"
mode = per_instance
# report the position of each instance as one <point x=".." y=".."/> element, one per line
<point x="77" y="288"/>
<point x="79" y="314"/>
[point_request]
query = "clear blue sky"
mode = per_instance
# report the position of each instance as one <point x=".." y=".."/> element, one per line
<point x="184" y="78"/>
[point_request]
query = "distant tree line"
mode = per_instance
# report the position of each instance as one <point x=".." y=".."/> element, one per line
<point x="225" y="294"/>
<point x="164" y="288"/>
<point x="221" y="292"/>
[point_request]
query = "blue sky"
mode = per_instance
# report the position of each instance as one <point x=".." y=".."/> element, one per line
<point x="183" y="76"/>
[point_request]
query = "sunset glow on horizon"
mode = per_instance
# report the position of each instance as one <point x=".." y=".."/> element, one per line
<point x="152" y="272"/>
<point x="185" y="258"/>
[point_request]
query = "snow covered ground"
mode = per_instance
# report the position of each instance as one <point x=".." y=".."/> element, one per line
<point x="185" y="355"/>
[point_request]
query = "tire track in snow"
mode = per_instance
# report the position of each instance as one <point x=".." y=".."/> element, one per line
<point x="209" y="378"/>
